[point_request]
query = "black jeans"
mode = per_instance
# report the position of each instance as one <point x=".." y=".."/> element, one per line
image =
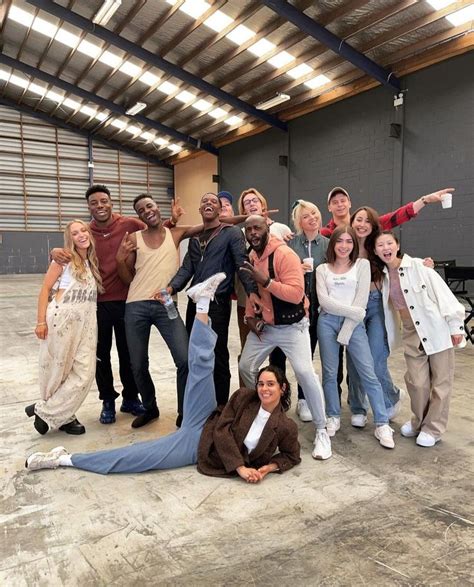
<point x="110" y="318"/>
<point x="219" y="313"/>
<point x="278" y="357"/>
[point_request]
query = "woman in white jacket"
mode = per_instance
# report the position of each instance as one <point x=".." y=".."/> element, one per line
<point x="418" y="299"/>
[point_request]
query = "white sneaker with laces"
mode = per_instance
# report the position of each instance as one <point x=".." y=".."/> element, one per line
<point x="207" y="288"/>
<point x="407" y="430"/>
<point x="322" y="446"/>
<point x="384" y="434"/>
<point x="358" y="420"/>
<point x="333" y="424"/>
<point x="303" y="412"/>
<point x="45" y="460"/>
<point x="426" y="439"/>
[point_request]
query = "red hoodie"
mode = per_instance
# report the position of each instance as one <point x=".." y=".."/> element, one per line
<point x="288" y="284"/>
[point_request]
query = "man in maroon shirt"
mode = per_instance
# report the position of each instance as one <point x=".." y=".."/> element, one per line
<point x="339" y="204"/>
<point x="109" y="229"/>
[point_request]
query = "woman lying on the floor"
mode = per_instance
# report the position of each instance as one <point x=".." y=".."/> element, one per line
<point x="240" y="438"/>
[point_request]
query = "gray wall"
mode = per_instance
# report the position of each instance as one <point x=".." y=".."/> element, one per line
<point x="27" y="252"/>
<point x="348" y="144"/>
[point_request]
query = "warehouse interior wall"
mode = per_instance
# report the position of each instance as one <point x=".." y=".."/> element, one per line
<point x="44" y="175"/>
<point x="349" y="144"/>
<point x="192" y="179"/>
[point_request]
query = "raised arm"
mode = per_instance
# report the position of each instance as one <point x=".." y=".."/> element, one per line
<point x="126" y="257"/>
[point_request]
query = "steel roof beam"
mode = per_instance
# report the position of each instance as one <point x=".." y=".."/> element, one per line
<point x="333" y="42"/>
<point x="58" y="122"/>
<point x="151" y="59"/>
<point x="103" y="103"/>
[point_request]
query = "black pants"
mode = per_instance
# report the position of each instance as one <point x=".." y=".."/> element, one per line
<point x="110" y="318"/>
<point x="219" y="313"/>
<point x="278" y="357"/>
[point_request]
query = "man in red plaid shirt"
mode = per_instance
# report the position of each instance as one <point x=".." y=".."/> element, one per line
<point x="339" y="204"/>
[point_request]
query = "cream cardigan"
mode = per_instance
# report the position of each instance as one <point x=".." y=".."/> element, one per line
<point x="355" y="313"/>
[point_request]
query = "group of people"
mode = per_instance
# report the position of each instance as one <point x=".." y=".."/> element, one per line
<point x="344" y="285"/>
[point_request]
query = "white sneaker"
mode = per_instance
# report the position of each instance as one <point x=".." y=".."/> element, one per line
<point x="322" y="446"/>
<point x="384" y="434"/>
<point x="207" y="288"/>
<point x="426" y="439"/>
<point x="358" y="420"/>
<point x="45" y="460"/>
<point x="333" y="424"/>
<point x="303" y="411"/>
<point x="407" y="430"/>
<point x="393" y="412"/>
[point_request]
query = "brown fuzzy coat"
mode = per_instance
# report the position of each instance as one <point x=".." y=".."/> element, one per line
<point x="222" y="449"/>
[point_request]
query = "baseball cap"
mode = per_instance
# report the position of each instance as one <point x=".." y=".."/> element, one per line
<point x="226" y="195"/>
<point x="337" y="190"/>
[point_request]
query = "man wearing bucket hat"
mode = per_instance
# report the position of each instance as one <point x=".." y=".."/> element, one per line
<point x="339" y="204"/>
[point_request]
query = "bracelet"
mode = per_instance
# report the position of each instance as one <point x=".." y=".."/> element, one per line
<point x="41" y="324"/>
<point x="267" y="283"/>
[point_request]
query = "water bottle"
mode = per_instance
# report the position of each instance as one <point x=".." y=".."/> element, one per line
<point x="169" y="304"/>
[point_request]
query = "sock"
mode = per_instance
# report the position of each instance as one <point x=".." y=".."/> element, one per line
<point x="65" y="461"/>
<point x="202" y="305"/>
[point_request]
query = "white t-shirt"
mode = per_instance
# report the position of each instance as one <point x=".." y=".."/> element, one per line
<point x="342" y="286"/>
<point x="255" y="432"/>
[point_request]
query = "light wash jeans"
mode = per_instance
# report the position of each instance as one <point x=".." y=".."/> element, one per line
<point x="358" y="350"/>
<point x="179" y="448"/>
<point x="293" y="340"/>
<point x="375" y="326"/>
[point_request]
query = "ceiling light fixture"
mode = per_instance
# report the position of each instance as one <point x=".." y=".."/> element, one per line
<point x="316" y="82"/>
<point x="278" y="99"/>
<point x="136" y="108"/>
<point x="106" y="11"/>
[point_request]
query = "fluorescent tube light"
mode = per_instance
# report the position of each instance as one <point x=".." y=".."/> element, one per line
<point x="136" y="108"/>
<point x="106" y="11"/>
<point x="278" y="99"/>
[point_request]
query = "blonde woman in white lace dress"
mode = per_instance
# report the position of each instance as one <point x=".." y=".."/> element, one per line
<point x="67" y="329"/>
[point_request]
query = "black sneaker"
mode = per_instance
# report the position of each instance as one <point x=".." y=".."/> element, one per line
<point x="74" y="427"/>
<point x="148" y="416"/>
<point x="132" y="406"/>
<point x="107" y="415"/>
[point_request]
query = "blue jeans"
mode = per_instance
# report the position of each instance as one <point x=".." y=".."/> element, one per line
<point x="358" y="350"/>
<point x="293" y="340"/>
<point x="139" y="318"/>
<point x="179" y="448"/>
<point x="375" y="326"/>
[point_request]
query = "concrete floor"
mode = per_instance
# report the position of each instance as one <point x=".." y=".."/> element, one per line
<point x="368" y="516"/>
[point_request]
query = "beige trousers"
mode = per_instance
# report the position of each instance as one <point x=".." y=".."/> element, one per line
<point x="429" y="381"/>
<point x="68" y="355"/>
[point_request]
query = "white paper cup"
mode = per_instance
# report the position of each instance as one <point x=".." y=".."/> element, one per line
<point x="309" y="261"/>
<point x="447" y="200"/>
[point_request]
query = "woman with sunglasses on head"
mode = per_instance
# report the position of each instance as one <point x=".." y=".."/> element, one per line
<point x="343" y="285"/>
<point x="417" y="299"/>
<point x="250" y="436"/>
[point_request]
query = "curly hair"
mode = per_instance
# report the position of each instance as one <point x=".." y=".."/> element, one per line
<point x="282" y="381"/>
<point x="78" y="266"/>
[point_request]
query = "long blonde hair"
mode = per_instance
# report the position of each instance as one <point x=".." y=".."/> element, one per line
<point x="77" y="264"/>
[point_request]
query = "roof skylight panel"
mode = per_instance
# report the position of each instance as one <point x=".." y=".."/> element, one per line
<point x="240" y="35"/>
<point x="218" y="21"/>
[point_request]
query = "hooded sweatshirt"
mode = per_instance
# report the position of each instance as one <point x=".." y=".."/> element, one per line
<point x="288" y="284"/>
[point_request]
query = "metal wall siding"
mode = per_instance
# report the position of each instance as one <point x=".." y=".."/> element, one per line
<point x="44" y="175"/>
